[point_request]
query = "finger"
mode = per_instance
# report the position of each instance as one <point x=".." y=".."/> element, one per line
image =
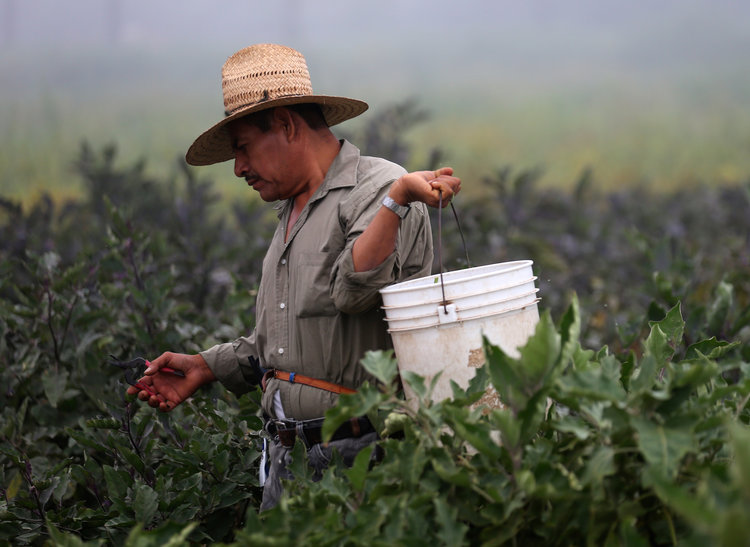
<point x="443" y="171"/>
<point x="166" y="406"/>
<point x="443" y="187"/>
<point x="156" y="364"/>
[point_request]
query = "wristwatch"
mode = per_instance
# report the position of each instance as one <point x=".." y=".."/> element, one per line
<point x="400" y="210"/>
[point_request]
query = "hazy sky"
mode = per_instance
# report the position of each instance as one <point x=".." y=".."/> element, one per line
<point x="584" y="59"/>
<point x="338" y="23"/>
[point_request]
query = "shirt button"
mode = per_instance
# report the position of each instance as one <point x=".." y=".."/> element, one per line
<point x="282" y="305"/>
<point x="281" y="351"/>
<point x="283" y="260"/>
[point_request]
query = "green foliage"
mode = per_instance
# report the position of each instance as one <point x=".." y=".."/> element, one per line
<point x="626" y="422"/>
<point x="574" y="458"/>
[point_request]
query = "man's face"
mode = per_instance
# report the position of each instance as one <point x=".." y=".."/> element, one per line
<point x="263" y="159"/>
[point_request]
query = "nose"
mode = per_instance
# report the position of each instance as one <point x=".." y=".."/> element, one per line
<point x="240" y="166"/>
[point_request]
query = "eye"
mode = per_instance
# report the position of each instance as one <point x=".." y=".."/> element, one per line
<point x="239" y="147"/>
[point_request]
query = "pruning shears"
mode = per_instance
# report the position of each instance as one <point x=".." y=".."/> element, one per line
<point x="136" y="368"/>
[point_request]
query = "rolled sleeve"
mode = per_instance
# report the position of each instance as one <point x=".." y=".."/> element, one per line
<point x="355" y="292"/>
<point x="230" y="363"/>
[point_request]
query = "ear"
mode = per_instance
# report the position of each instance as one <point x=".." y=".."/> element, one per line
<point x="287" y="121"/>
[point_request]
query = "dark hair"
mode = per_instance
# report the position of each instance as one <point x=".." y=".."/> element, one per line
<point x="310" y="112"/>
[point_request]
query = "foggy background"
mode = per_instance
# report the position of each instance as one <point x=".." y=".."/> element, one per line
<point x="639" y="90"/>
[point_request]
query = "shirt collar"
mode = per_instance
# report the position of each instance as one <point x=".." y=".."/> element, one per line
<point x="341" y="174"/>
<point x="343" y="171"/>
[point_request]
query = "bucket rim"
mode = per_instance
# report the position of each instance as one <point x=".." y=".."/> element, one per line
<point x="437" y="305"/>
<point x="509" y="311"/>
<point x="468" y="295"/>
<point x="405" y="286"/>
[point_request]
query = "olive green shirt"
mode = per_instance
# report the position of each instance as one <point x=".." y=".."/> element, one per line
<point x="315" y="315"/>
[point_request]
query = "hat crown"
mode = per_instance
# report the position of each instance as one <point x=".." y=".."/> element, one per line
<point x="263" y="72"/>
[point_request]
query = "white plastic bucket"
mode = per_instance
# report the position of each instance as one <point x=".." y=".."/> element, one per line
<point x="448" y="337"/>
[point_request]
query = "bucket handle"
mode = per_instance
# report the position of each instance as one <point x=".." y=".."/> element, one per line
<point x="445" y="303"/>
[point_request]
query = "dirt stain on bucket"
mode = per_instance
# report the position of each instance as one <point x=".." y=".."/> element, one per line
<point x="490" y="400"/>
<point x="476" y="358"/>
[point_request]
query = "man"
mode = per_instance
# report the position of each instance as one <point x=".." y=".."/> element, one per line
<point x="349" y="225"/>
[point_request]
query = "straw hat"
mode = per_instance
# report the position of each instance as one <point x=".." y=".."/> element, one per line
<point x="257" y="78"/>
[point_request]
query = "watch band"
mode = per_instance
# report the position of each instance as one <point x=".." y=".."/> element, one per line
<point x="397" y="208"/>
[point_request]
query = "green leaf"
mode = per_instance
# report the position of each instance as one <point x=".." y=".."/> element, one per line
<point x="118" y="481"/>
<point x="381" y="364"/>
<point x="646" y="373"/>
<point x="416" y="383"/>
<point x="662" y="446"/>
<point x="504" y="376"/>
<point x="627" y="370"/>
<point x="54" y="384"/>
<point x="510" y="428"/>
<point x="574" y="425"/>
<point x="691" y="507"/>
<point x="739" y="439"/>
<point x="673" y="326"/>
<point x="600" y="382"/>
<point x="694" y="374"/>
<point x="601" y="464"/>
<point x="532" y="415"/>
<point x="570" y="331"/>
<point x="710" y="348"/>
<point x="61" y="539"/>
<point x="657" y="345"/>
<point x="145" y="504"/>
<point x="452" y="531"/>
<point x="476" y="434"/>
<point x="540" y="354"/>
<point x="479" y="382"/>
<point x="221" y="462"/>
<point x="357" y="473"/>
<point x="367" y="399"/>
<point x="448" y="471"/>
<point x="14" y="486"/>
<point x="132" y="458"/>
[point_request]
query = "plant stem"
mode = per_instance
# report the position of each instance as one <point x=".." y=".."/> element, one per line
<point x="141" y="287"/>
<point x="741" y="406"/>
<point x="50" y="300"/>
<point x="672" y="533"/>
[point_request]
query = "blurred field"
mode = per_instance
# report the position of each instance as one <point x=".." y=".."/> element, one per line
<point x="631" y="124"/>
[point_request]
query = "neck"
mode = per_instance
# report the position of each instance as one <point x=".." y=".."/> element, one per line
<point x="319" y="154"/>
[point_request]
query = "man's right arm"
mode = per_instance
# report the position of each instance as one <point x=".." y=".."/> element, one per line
<point x="234" y="364"/>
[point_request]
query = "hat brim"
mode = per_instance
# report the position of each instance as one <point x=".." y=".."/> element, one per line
<point x="215" y="145"/>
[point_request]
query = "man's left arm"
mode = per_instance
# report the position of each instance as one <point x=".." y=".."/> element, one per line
<point x="393" y="249"/>
<point x="378" y="241"/>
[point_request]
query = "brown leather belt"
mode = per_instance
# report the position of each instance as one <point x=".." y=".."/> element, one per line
<point x="309" y="431"/>
<point x="295" y="378"/>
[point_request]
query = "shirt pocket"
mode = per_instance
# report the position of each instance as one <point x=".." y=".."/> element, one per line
<point x="312" y="283"/>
